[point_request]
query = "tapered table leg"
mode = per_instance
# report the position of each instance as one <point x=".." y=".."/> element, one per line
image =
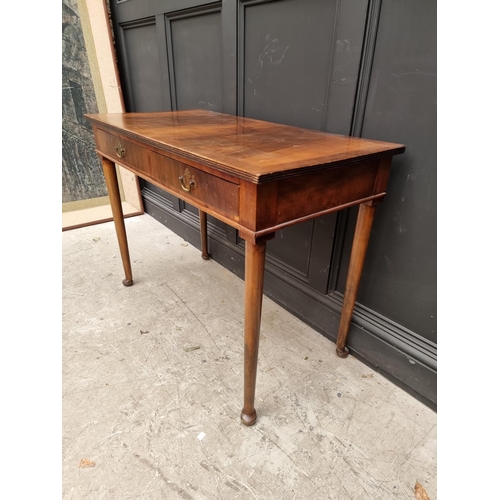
<point x="358" y="254"/>
<point x="116" y="208"/>
<point x="204" y="239"/>
<point x="255" y="256"/>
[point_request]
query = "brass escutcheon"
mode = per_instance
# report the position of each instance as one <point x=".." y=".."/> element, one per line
<point x="120" y="150"/>
<point x="187" y="177"/>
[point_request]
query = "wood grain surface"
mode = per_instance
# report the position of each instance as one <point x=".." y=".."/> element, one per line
<point x="251" y="149"/>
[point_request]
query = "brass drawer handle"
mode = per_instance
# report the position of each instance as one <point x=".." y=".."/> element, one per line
<point x="120" y="150"/>
<point x="190" y="179"/>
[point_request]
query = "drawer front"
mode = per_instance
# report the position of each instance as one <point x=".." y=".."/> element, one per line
<point x="195" y="186"/>
<point x="121" y="150"/>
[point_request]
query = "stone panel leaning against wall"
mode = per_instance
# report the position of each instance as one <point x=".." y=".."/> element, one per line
<point x="82" y="176"/>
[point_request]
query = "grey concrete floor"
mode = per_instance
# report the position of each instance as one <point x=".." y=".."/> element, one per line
<point x="152" y="389"/>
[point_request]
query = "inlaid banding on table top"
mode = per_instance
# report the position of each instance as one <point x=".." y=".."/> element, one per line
<point x="250" y="149"/>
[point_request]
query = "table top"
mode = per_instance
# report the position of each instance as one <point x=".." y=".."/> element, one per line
<point x="254" y="150"/>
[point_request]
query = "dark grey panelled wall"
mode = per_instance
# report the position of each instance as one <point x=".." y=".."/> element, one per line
<point x="401" y="268"/>
<point x="361" y="67"/>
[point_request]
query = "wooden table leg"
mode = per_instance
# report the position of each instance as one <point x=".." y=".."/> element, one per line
<point x="204" y="239"/>
<point x="116" y="208"/>
<point x="358" y="254"/>
<point x="255" y="256"/>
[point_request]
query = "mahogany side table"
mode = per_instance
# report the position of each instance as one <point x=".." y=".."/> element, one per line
<point x="257" y="177"/>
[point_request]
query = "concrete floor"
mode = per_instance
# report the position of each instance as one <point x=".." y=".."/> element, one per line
<point x="152" y="389"/>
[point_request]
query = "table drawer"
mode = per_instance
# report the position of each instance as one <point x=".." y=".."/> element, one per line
<point x="191" y="184"/>
<point x="121" y="150"/>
